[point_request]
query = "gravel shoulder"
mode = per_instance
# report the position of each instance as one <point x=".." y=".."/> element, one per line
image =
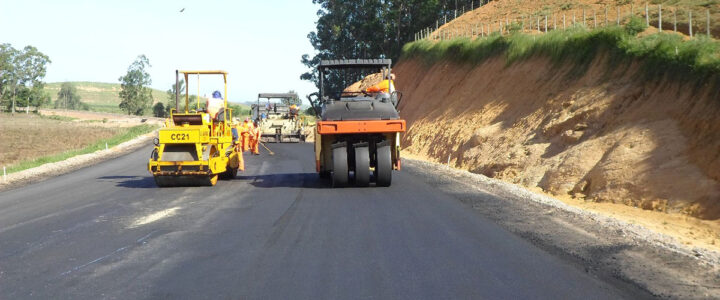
<point x="614" y="250"/>
<point x="46" y="171"/>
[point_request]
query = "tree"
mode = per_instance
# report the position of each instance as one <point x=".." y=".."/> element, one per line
<point x="7" y="69"/>
<point x="291" y="101"/>
<point x="136" y="97"/>
<point x="310" y="111"/>
<point x="68" y="98"/>
<point x="159" y="110"/>
<point x="171" y="96"/>
<point x="367" y="29"/>
<point x="21" y="72"/>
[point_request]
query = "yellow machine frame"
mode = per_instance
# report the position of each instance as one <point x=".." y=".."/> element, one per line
<point x="210" y="144"/>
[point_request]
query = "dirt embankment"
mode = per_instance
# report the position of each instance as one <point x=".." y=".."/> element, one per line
<point x="606" y="136"/>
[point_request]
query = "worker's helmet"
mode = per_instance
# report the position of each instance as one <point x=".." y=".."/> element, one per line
<point x="217" y="95"/>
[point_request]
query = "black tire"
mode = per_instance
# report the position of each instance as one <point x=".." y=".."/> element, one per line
<point x="383" y="169"/>
<point x="362" y="166"/>
<point x="229" y="173"/>
<point x="340" y="167"/>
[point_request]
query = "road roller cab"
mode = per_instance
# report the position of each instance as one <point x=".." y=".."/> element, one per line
<point x="195" y="148"/>
<point x="357" y="138"/>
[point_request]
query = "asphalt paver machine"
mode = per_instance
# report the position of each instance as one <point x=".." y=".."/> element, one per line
<point x="278" y="122"/>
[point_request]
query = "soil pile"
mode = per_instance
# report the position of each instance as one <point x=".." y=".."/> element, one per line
<point x="606" y="136"/>
<point x="368" y="81"/>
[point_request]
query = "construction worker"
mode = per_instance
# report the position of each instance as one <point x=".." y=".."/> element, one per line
<point x="384" y="88"/>
<point x="245" y="134"/>
<point x="255" y="138"/>
<point x="215" y="105"/>
<point x="293" y="112"/>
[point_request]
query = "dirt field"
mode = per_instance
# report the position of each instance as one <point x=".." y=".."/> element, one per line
<point x="31" y="136"/>
<point x="101" y="119"/>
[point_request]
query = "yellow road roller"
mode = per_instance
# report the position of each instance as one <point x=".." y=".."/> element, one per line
<point x="196" y="148"/>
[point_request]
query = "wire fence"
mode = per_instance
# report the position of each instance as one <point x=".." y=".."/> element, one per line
<point x="689" y="22"/>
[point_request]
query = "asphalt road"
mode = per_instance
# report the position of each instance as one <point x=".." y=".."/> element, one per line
<point x="276" y="232"/>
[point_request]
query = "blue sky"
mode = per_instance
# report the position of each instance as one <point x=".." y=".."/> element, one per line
<point x="258" y="42"/>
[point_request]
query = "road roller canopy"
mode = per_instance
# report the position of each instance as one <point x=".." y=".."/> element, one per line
<point x="206" y="72"/>
<point x="278" y="96"/>
<point x="186" y="74"/>
<point x="355" y="63"/>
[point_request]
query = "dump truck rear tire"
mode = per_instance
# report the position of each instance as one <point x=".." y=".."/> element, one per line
<point x="362" y="166"/>
<point x="340" y="167"/>
<point x="383" y="169"/>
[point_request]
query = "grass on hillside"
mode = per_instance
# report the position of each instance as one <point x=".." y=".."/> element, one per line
<point x="100" y="96"/>
<point x="124" y="135"/>
<point x="661" y="54"/>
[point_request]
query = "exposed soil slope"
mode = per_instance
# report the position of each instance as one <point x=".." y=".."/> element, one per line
<point x="607" y="136"/>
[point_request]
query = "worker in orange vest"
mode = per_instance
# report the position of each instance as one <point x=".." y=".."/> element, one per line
<point x="238" y="144"/>
<point x="386" y="86"/>
<point x="255" y="138"/>
<point x="245" y="133"/>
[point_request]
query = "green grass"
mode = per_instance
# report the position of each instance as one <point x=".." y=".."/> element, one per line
<point x="661" y="54"/>
<point x="100" y="96"/>
<point x="128" y="134"/>
<point x="59" y="118"/>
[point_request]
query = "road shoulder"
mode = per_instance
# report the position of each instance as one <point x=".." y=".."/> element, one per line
<point x="614" y="250"/>
<point x="46" y="171"/>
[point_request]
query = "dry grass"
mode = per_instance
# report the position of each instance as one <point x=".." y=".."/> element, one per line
<point x="26" y="137"/>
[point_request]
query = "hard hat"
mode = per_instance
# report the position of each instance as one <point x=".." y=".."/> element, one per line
<point x="217" y="94"/>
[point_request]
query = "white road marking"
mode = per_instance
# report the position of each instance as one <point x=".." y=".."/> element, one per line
<point x="155" y="217"/>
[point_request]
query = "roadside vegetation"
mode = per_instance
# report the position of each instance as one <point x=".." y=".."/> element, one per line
<point x="661" y="54"/>
<point x="32" y="140"/>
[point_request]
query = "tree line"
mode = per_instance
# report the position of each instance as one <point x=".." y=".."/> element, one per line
<point x="21" y="74"/>
<point x="369" y="29"/>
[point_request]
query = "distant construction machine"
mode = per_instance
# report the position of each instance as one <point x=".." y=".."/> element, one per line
<point x="195" y="149"/>
<point x="278" y="122"/>
<point x="356" y="133"/>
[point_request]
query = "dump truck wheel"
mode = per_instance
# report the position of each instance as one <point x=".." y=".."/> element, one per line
<point x="383" y="169"/>
<point x="362" y="166"/>
<point x="340" y="167"/>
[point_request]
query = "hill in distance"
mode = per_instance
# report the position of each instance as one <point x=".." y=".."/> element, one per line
<point x="102" y="96"/>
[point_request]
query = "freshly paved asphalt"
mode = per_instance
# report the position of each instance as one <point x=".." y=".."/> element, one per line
<point x="276" y="232"/>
